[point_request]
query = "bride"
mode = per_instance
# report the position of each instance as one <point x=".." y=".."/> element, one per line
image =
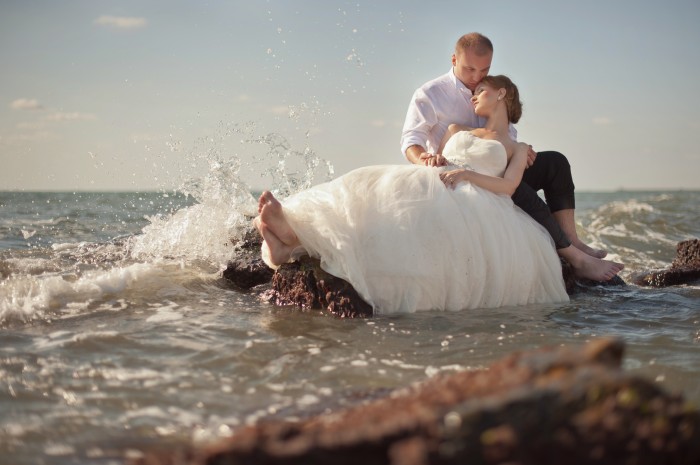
<point x="414" y="238"/>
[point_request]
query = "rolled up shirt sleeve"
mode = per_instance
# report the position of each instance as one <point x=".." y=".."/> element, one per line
<point x="420" y="119"/>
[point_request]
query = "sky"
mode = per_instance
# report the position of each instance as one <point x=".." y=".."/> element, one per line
<point x="151" y="95"/>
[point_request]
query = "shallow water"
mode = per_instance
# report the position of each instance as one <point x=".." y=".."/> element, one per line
<point x="118" y="333"/>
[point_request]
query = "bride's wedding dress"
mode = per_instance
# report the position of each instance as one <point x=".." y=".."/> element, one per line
<point x="406" y="242"/>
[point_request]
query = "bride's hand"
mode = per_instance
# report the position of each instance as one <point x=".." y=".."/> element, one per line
<point x="453" y="177"/>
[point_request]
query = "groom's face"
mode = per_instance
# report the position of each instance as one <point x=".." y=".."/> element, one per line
<point x="471" y="68"/>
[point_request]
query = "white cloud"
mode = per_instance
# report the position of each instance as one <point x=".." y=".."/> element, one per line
<point x="25" y="104"/>
<point x="602" y="120"/>
<point x="74" y="116"/>
<point x="377" y="123"/>
<point x="121" y="22"/>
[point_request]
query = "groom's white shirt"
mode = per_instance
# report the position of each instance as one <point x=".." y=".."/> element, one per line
<point x="436" y="105"/>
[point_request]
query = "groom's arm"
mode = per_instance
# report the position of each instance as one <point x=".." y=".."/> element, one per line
<point x="414" y="153"/>
<point x="420" y="120"/>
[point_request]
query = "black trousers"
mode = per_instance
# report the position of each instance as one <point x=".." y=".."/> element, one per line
<point x="551" y="172"/>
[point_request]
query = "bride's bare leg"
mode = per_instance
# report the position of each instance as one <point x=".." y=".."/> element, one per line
<point x="566" y="220"/>
<point x="279" y="251"/>
<point x="589" y="267"/>
<point x="272" y="216"/>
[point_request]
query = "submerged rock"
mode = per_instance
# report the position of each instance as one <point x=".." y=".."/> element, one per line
<point x="304" y="284"/>
<point x="684" y="269"/>
<point x="550" y="406"/>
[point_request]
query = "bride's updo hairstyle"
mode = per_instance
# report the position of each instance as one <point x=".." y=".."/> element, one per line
<point x="512" y="98"/>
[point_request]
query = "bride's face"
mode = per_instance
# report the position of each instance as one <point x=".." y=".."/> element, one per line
<point x="485" y="99"/>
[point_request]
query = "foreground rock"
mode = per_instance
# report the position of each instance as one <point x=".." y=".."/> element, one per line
<point x="573" y="406"/>
<point x="685" y="268"/>
<point x="304" y="284"/>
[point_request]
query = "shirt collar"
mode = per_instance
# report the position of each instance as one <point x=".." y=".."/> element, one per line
<point x="459" y="85"/>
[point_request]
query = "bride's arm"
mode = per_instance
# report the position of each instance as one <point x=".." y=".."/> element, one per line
<point x="452" y="129"/>
<point x="505" y="185"/>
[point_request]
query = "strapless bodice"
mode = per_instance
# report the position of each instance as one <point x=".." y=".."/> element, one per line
<point x="485" y="156"/>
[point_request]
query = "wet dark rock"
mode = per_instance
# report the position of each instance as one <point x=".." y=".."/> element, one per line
<point x="550" y="406"/>
<point x="304" y="284"/>
<point x="684" y="269"/>
<point x="247" y="270"/>
<point x="580" y="284"/>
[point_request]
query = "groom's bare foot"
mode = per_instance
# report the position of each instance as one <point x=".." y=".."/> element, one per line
<point x="272" y="217"/>
<point x="280" y="252"/>
<point x="589" y="267"/>
<point x="588" y="250"/>
<point x="596" y="269"/>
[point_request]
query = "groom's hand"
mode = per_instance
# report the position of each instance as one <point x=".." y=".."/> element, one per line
<point x="428" y="159"/>
<point x="531" y="155"/>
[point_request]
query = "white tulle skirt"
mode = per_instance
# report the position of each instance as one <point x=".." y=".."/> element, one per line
<point x="406" y="242"/>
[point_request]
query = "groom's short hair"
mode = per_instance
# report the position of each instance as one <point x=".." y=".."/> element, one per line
<point x="478" y="43"/>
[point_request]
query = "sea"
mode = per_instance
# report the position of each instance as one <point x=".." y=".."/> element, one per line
<point x="119" y="335"/>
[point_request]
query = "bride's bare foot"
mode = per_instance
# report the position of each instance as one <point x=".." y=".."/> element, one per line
<point x="280" y="252"/>
<point x="588" y="250"/>
<point x="264" y="198"/>
<point x="272" y="217"/>
<point x="589" y="267"/>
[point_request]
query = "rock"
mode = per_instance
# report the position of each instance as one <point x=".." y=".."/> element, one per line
<point x="684" y="269"/>
<point x="304" y="284"/>
<point x="687" y="254"/>
<point x="247" y="270"/>
<point x="550" y="406"/>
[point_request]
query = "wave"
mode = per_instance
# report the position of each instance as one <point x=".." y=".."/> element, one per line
<point x="25" y="298"/>
<point x="642" y="231"/>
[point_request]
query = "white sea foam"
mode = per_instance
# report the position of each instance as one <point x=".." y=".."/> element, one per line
<point x="628" y="206"/>
<point x="67" y="246"/>
<point x="25" y="297"/>
<point x="54" y="449"/>
<point x="31" y="266"/>
<point x="165" y="314"/>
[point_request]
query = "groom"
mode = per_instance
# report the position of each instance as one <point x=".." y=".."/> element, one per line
<point x="446" y="100"/>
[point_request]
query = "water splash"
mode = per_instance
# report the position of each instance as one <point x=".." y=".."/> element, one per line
<point x="226" y="205"/>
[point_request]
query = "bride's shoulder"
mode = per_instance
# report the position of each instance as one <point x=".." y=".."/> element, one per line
<point x="454" y="128"/>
